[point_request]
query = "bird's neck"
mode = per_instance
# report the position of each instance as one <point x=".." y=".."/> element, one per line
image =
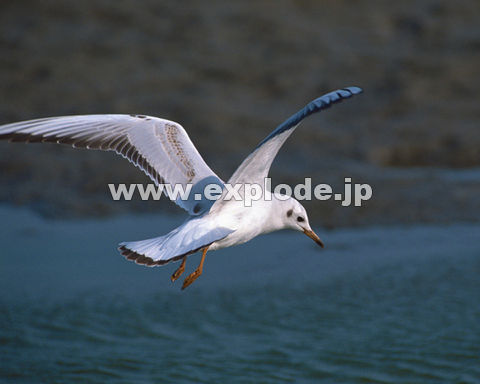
<point x="274" y="220"/>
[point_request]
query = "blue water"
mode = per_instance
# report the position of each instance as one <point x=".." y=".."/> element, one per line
<point x="378" y="305"/>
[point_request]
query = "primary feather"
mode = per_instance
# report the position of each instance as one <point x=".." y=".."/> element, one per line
<point x="254" y="169"/>
<point x="160" y="148"/>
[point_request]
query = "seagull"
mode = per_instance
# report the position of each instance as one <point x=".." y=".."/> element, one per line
<point x="163" y="150"/>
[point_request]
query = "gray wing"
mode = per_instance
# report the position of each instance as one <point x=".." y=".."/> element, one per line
<point x="255" y="168"/>
<point x="160" y="148"/>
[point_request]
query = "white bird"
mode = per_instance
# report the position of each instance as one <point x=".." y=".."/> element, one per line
<point x="163" y="150"/>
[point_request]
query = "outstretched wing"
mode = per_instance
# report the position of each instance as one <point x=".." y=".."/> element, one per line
<point x="254" y="169"/>
<point x="160" y="148"/>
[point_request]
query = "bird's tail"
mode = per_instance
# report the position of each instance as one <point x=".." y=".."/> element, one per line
<point x="147" y="252"/>
<point x="189" y="238"/>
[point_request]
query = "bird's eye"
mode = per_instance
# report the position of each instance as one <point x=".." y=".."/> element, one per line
<point x="300" y="219"/>
<point x="289" y="212"/>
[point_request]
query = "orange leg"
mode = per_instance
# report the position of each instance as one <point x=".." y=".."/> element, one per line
<point x="193" y="276"/>
<point x="179" y="271"/>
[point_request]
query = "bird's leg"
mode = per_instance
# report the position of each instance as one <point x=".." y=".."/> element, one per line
<point x="193" y="276"/>
<point x="180" y="270"/>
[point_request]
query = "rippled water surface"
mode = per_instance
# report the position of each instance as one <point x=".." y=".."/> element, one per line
<point x="396" y="305"/>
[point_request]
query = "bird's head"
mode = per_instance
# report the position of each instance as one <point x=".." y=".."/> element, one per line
<point x="295" y="217"/>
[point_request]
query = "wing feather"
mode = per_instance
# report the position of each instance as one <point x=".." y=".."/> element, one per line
<point x="160" y="148"/>
<point x="255" y="168"/>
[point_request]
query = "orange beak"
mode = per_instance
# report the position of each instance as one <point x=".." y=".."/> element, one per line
<point x="313" y="236"/>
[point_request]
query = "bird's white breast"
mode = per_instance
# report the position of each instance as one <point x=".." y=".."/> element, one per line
<point x="248" y="222"/>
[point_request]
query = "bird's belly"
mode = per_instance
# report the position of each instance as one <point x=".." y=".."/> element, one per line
<point x="235" y="238"/>
<point x="248" y="223"/>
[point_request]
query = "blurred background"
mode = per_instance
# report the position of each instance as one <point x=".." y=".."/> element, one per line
<point x="393" y="298"/>
<point x="229" y="73"/>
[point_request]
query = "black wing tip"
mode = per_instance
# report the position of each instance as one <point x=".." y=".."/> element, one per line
<point x="326" y="101"/>
<point x="354" y="90"/>
<point x="338" y="95"/>
<point x="320" y="103"/>
<point x="15" y="137"/>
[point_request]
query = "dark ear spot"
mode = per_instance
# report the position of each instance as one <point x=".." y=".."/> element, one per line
<point x="289" y="212"/>
<point x="300" y="219"/>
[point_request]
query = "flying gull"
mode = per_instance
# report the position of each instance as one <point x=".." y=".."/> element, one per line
<point x="163" y="150"/>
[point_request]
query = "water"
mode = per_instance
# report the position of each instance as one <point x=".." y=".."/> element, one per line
<point x="393" y="305"/>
